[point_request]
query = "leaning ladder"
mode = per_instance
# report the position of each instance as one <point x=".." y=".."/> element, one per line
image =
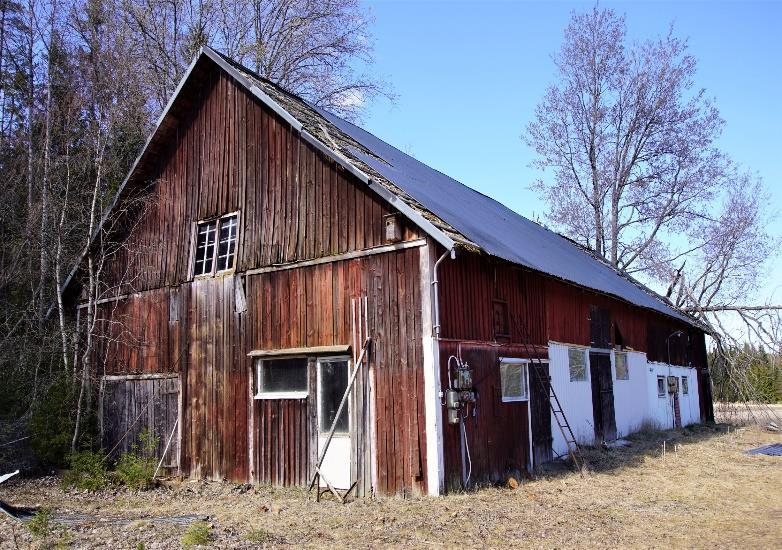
<point x="573" y="449"/>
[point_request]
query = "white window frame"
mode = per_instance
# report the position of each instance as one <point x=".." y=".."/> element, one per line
<point x="525" y="379"/>
<point x="685" y="385"/>
<point x="665" y="386"/>
<point x="585" y="352"/>
<point x="627" y="365"/>
<point x="299" y="394"/>
<point x="216" y="246"/>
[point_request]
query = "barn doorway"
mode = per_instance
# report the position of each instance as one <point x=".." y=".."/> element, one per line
<point x="333" y="374"/>
<point x="132" y="405"/>
<point x="540" y="411"/>
<point x="602" y="396"/>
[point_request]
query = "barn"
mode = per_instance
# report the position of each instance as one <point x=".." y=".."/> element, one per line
<point x="297" y="297"/>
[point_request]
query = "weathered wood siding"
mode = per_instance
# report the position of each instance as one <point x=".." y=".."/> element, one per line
<point x="302" y="307"/>
<point x="229" y="153"/>
<point x="498" y="433"/>
<point x="132" y="406"/>
<point x="232" y="154"/>
<point x="547" y="309"/>
<point x="540" y="309"/>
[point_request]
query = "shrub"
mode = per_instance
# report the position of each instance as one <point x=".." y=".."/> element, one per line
<point x="259" y="536"/>
<point x="87" y="471"/>
<point x="40" y="524"/>
<point x="137" y="467"/>
<point x="196" y="535"/>
<point x="51" y="424"/>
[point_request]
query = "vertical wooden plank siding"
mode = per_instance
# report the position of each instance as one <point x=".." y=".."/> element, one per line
<point x="233" y="154"/>
<point x="216" y="369"/>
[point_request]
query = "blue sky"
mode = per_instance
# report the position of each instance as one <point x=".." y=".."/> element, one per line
<point x="469" y="74"/>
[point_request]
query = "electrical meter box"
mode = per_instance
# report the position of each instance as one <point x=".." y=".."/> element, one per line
<point x="673" y="384"/>
<point x="463" y="378"/>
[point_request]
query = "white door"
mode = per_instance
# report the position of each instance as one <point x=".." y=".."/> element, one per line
<point x="333" y="376"/>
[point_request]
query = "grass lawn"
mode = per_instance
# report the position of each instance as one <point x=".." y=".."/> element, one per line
<point x="705" y="492"/>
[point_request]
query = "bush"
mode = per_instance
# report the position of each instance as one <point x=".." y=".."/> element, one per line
<point x="87" y="471"/>
<point x="39" y="525"/>
<point x="259" y="536"/>
<point x="136" y="468"/>
<point x="196" y="535"/>
<point x="51" y="424"/>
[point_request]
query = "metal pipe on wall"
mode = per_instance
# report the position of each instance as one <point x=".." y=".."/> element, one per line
<point x="435" y="283"/>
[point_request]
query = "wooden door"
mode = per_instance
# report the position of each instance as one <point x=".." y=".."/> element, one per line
<point x="131" y="405"/>
<point x="541" y="412"/>
<point x="602" y="397"/>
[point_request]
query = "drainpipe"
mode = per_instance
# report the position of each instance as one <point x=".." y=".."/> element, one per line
<point x="435" y="282"/>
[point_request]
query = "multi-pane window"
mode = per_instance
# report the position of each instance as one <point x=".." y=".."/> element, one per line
<point x="226" y="246"/>
<point x="577" y="364"/>
<point x="622" y="372"/>
<point x="513" y="379"/>
<point x="282" y="378"/>
<point x="216" y="245"/>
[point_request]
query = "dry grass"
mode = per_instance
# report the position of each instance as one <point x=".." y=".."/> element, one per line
<point x="704" y="492"/>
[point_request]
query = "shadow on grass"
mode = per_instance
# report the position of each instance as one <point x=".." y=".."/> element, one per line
<point x="645" y="443"/>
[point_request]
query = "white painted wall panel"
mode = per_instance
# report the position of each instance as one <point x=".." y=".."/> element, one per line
<point x="660" y="408"/>
<point x="575" y="398"/>
<point x="635" y="400"/>
<point x="630" y="395"/>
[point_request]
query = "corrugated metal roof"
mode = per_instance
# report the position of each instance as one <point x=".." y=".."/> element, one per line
<point x="480" y="219"/>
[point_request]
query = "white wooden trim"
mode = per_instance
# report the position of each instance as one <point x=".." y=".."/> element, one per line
<point x="435" y="462"/>
<point x="282" y="395"/>
<point x="339" y="257"/>
<point x="290" y="353"/>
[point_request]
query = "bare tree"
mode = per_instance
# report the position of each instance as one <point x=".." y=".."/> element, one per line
<point x="635" y="174"/>
<point x="629" y="139"/>
<point x="310" y="47"/>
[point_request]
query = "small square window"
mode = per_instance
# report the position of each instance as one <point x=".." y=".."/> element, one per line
<point x="282" y="378"/>
<point x="622" y="372"/>
<point x="513" y="379"/>
<point x="685" y="385"/>
<point x="577" y="364"/>
<point x="216" y="245"/>
<point x="661" y="386"/>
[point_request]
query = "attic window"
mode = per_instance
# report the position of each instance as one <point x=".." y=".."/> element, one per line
<point x="215" y="248"/>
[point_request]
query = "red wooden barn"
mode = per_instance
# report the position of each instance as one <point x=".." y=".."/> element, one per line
<point x="275" y="239"/>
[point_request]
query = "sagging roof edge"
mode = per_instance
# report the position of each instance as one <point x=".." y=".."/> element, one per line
<point x="387" y="195"/>
<point x="220" y="61"/>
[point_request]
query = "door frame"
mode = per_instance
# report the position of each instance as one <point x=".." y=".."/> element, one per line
<point x="316" y="393"/>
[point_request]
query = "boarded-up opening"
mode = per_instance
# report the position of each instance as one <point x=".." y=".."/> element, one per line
<point x="135" y="403"/>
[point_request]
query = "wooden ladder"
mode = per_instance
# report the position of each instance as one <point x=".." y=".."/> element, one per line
<point x="540" y="375"/>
